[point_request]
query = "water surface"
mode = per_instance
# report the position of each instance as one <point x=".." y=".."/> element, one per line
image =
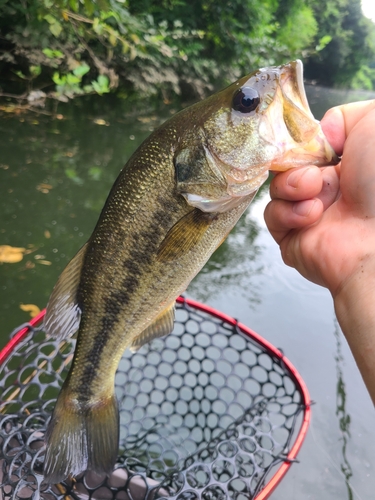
<point x="54" y="178"/>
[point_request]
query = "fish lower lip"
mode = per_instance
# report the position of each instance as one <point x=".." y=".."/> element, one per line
<point x="300" y="85"/>
<point x="291" y="87"/>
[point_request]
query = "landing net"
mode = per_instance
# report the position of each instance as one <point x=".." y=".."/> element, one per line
<point x="210" y="412"/>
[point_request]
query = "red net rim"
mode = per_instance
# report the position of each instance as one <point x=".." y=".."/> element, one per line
<point x="291" y="457"/>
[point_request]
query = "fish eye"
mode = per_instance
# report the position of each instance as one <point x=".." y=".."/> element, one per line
<point x="245" y="100"/>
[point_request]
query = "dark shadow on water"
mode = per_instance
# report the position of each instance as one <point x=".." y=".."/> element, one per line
<point x="341" y="412"/>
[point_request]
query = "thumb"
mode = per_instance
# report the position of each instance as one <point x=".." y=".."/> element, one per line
<point x="339" y="121"/>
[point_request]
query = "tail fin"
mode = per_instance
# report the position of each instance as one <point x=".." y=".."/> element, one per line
<point x="81" y="437"/>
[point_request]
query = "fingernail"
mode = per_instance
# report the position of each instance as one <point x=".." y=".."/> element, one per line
<point x="303" y="208"/>
<point x="295" y="176"/>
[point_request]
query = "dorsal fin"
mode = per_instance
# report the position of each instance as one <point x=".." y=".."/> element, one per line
<point x="63" y="313"/>
<point x="162" y="325"/>
<point x="184" y="235"/>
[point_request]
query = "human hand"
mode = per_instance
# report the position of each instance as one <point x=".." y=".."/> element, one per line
<point x="324" y="219"/>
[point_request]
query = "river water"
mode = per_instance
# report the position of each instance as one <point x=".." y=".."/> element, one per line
<point x="54" y="178"/>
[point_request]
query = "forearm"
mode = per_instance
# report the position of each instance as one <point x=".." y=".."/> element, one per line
<point x="355" y="310"/>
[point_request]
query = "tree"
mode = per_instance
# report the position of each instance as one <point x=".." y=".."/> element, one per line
<point x="347" y="45"/>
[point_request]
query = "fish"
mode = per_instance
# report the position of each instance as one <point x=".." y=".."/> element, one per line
<point x="175" y="201"/>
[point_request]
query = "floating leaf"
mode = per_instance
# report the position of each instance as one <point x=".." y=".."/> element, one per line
<point x="10" y="254"/>
<point x="30" y="308"/>
<point x="45" y="262"/>
<point x="100" y="121"/>
<point x="147" y="119"/>
<point x="44" y="188"/>
<point x="47" y="234"/>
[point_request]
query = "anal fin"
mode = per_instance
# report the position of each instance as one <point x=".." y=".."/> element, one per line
<point x="162" y="325"/>
<point x="63" y="312"/>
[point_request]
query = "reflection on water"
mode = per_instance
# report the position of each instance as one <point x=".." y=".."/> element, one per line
<point x="322" y="98"/>
<point x="232" y="266"/>
<point x="341" y="412"/>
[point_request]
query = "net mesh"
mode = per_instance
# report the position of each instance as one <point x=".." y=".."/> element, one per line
<point x="205" y="413"/>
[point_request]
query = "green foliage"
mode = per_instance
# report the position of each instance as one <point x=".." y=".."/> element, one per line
<point x="290" y="33"/>
<point x="166" y="47"/>
<point x="344" y="42"/>
<point x="364" y="78"/>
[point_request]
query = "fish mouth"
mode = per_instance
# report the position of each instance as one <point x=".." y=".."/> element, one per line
<point x="306" y="144"/>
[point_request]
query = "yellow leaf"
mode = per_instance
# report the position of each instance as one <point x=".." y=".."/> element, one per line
<point x="30" y="308"/>
<point x="45" y="262"/>
<point x="47" y="234"/>
<point x="11" y="254"/>
<point x="100" y="121"/>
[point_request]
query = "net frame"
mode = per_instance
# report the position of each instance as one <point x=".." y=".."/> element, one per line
<point x="264" y="489"/>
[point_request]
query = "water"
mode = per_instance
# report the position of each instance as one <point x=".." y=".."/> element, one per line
<point x="54" y="178"/>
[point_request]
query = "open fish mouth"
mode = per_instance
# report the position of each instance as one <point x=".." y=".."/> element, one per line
<point x="306" y="143"/>
<point x="291" y="80"/>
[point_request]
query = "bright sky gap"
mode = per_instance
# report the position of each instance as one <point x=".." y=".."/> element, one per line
<point x="368" y="9"/>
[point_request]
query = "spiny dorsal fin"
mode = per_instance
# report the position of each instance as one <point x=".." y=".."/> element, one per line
<point x="162" y="325"/>
<point x="63" y="313"/>
<point x="184" y="235"/>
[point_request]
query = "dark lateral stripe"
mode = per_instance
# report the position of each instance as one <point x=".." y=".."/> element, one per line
<point x="135" y="266"/>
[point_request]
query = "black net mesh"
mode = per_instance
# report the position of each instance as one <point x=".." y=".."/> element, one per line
<point x="206" y="413"/>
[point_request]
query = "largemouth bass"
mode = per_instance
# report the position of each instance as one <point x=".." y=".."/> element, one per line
<point x="173" y="204"/>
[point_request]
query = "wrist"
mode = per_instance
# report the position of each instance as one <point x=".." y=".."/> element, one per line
<point x="355" y="310"/>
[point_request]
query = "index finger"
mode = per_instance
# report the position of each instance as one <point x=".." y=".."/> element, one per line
<point x="339" y="121"/>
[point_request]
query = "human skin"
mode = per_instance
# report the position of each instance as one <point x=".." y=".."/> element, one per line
<point x="324" y="222"/>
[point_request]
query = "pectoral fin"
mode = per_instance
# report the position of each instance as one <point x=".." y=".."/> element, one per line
<point x="184" y="235"/>
<point x="63" y="313"/>
<point x="163" y="325"/>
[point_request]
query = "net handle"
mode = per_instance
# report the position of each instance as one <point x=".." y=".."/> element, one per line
<point x="291" y="457"/>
